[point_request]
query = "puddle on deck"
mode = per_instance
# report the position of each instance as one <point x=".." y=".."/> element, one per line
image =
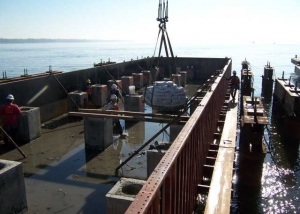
<point x="62" y="177"/>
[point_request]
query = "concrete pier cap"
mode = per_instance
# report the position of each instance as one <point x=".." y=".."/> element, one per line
<point x="119" y="198"/>
<point x="126" y="82"/>
<point x="29" y="124"/>
<point x="12" y="188"/>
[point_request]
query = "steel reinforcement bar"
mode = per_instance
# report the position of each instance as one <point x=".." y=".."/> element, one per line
<point x="172" y="187"/>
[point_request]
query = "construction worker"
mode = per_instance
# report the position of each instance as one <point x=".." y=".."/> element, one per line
<point x="88" y="88"/>
<point x="9" y="113"/>
<point x="114" y="90"/>
<point x="113" y="105"/>
<point x="234" y="84"/>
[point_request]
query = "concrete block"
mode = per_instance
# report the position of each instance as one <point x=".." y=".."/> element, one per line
<point x="99" y="95"/>
<point x="110" y="82"/>
<point x="134" y="103"/>
<point x="176" y="78"/>
<point x="155" y="154"/>
<point x="138" y="80"/>
<point x="147" y="78"/>
<point x="79" y="97"/>
<point x="29" y="124"/>
<point x="126" y="82"/>
<point x="183" y="78"/>
<point x="12" y="188"/>
<point x="174" y="131"/>
<point x="98" y="133"/>
<point x="119" y="198"/>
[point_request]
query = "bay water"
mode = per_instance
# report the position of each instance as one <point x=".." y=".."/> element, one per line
<point x="280" y="188"/>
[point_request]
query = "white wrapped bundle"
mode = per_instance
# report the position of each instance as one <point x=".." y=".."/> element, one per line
<point x="165" y="95"/>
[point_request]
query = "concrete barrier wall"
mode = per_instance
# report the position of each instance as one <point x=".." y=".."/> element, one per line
<point x="45" y="90"/>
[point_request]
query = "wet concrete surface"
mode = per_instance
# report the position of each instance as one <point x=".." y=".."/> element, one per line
<point x="61" y="176"/>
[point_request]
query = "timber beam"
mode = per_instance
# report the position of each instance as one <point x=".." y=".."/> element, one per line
<point x="122" y="117"/>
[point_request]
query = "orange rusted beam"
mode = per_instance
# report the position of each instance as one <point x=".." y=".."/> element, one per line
<point x="184" y="159"/>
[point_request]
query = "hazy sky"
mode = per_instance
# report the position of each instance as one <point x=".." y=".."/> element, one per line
<point x="210" y="21"/>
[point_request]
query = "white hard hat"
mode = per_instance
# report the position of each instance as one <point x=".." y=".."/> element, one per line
<point x="234" y="72"/>
<point x="114" y="86"/>
<point x="10" y="97"/>
<point x="113" y="97"/>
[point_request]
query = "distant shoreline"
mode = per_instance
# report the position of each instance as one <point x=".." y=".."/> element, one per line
<point x="17" y="41"/>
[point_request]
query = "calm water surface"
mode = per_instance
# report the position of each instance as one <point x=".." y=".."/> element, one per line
<point x="280" y="189"/>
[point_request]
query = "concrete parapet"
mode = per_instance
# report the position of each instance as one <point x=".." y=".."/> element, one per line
<point x="138" y="80"/>
<point x="119" y="198"/>
<point x="29" y="124"/>
<point x="12" y="188"/>
<point x="79" y="97"/>
<point x="99" y="95"/>
<point x="134" y="103"/>
<point x="98" y="133"/>
<point x="126" y="82"/>
<point x="183" y="78"/>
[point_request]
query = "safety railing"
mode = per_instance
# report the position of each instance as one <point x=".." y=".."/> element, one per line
<point x="172" y="187"/>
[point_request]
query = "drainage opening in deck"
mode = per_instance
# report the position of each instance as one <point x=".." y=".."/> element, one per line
<point x="132" y="189"/>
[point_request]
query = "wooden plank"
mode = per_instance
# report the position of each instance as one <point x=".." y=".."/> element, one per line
<point x="218" y="200"/>
<point x="133" y="118"/>
<point x="132" y="113"/>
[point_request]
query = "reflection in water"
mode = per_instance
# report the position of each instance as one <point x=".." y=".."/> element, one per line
<point x="280" y="183"/>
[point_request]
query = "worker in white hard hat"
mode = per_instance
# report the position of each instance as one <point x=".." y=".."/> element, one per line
<point x="9" y="114"/>
<point x="113" y="105"/>
<point x="114" y="90"/>
<point x="234" y="85"/>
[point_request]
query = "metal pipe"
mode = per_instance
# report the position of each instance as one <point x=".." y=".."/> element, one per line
<point x="143" y="146"/>
<point x="13" y="142"/>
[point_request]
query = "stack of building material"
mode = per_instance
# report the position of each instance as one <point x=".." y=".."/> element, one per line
<point x="165" y="95"/>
